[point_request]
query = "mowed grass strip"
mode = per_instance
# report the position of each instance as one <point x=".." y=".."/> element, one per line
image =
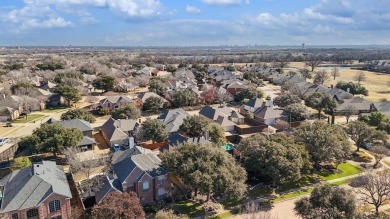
<point x="30" y="118"/>
<point x="345" y="169"/>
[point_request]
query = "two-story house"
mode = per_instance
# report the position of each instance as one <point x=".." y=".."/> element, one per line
<point x="39" y="191"/>
<point x="88" y="142"/>
<point x="263" y="111"/>
<point x="139" y="173"/>
<point x="119" y="131"/>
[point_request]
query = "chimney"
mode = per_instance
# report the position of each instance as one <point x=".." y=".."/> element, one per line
<point x="271" y="103"/>
<point x="131" y="143"/>
<point x="206" y="134"/>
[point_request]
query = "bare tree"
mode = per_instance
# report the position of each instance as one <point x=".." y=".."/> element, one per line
<point x="320" y="77"/>
<point x="348" y="112"/>
<point x="313" y="61"/>
<point x="360" y="77"/>
<point x="305" y="73"/>
<point x="85" y="163"/>
<point x="335" y="73"/>
<point x="374" y="188"/>
<point x="380" y="152"/>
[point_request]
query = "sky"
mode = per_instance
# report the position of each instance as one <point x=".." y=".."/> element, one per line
<point x="193" y="22"/>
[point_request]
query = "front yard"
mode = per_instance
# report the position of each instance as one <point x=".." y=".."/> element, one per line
<point x="30" y="118"/>
<point x="344" y="170"/>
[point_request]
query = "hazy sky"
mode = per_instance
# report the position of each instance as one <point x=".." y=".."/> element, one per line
<point x="194" y="22"/>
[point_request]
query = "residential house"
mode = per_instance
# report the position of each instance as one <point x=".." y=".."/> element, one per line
<point x="39" y="191"/>
<point x="173" y="118"/>
<point x="10" y="108"/>
<point x="236" y="86"/>
<point x="112" y="103"/>
<point x="223" y="116"/>
<point x="125" y="87"/>
<point x="147" y="71"/>
<point x="263" y="111"/>
<point x="382" y="107"/>
<point x="119" y="131"/>
<point x="88" y="142"/>
<point x="359" y="104"/>
<point x="139" y="173"/>
<point x="141" y="98"/>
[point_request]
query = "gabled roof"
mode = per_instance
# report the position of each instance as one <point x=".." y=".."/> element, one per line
<point x="148" y="163"/>
<point x="29" y="187"/>
<point x="79" y="124"/>
<point x="357" y="102"/>
<point x="86" y="141"/>
<point x="144" y="96"/>
<point x="268" y="113"/>
<point x="173" y="118"/>
<point x="109" y="185"/>
<point x="116" y="99"/>
<point x="383" y="107"/>
<point x="255" y="103"/>
<point x="115" y="129"/>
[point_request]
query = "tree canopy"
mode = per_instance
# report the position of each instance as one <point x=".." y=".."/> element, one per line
<point x="182" y="98"/>
<point x="327" y="202"/>
<point x="154" y="130"/>
<point x="20" y="163"/>
<point x="249" y="93"/>
<point x="217" y="134"/>
<point x="153" y="104"/>
<point x="297" y="111"/>
<point x="105" y="83"/>
<point x="52" y="138"/>
<point x="129" y="111"/>
<point x="320" y="101"/>
<point x="324" y="142"/>
<point x="194" y="125"/>
<point x="71" y="94"/>
<point x="275" y="158"/>
<point x="360" y="133"/>
<point x="157" y="85"/>
<point x="115" y="205"/>
<point x="354" y="89"/>
<point x="320" y="77"/>
<point x="286" y="99"/>
<point x="206" y="169"/>
<point x="78" y="114"/>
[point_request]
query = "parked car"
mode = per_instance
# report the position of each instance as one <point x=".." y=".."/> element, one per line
<point x="3" y="141"/>
<point x="117" y="147"/>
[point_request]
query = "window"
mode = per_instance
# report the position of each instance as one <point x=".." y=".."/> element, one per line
<point x="161" y="180"/>
<point x="54" y="206"/>
<point x="161" y="193"/>
<point x="145" y="186"/>
<point x="32" y="213"/>
<point x="15" y="216"/>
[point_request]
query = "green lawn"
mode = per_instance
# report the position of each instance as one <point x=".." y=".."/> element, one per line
<point x="292" y="195"/>
<point x="225" y="214"/>
<point x="54" y="110"/>
<point x="30" y="118"/>
<point x="189" y="208"/>
<point x="346" y="170"/>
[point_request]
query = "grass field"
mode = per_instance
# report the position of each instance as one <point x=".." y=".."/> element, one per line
<point x="292" y="195"/>
<point x="30" y="118"/>
<point x="189" y="208"/>
<point x="346" y="170"/>
<point x="376" y="83"/>
<point x="54" y="110"/>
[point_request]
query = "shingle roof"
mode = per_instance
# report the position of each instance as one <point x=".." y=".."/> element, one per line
<point x="255" y="103"/>
<point x="86" y="141"/>
<point x="148" y="163"/>
<point x="357" y="102"/>
<point x="116" y="99"/>
<point x="109" y="185"/>
<point x="115" y="129"/>
<point x="268" y="113"/>
<point x="146" y="95"/>
<point x="79" y="124"/>
<point x="383" y="107"/>
<point x="173" y="118"/>
<point x="28" y="187"/>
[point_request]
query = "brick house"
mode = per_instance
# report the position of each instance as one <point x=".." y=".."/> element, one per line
<point x="136" y="172"/>
<point x="39" y="191"/>
<point x="112" y="103"/>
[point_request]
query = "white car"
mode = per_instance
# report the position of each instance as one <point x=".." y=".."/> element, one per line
<point x="3" y="141"/>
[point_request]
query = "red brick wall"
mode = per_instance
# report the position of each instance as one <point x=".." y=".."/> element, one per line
<point x="44" y="209"/>
<point x="146" y="197"/>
